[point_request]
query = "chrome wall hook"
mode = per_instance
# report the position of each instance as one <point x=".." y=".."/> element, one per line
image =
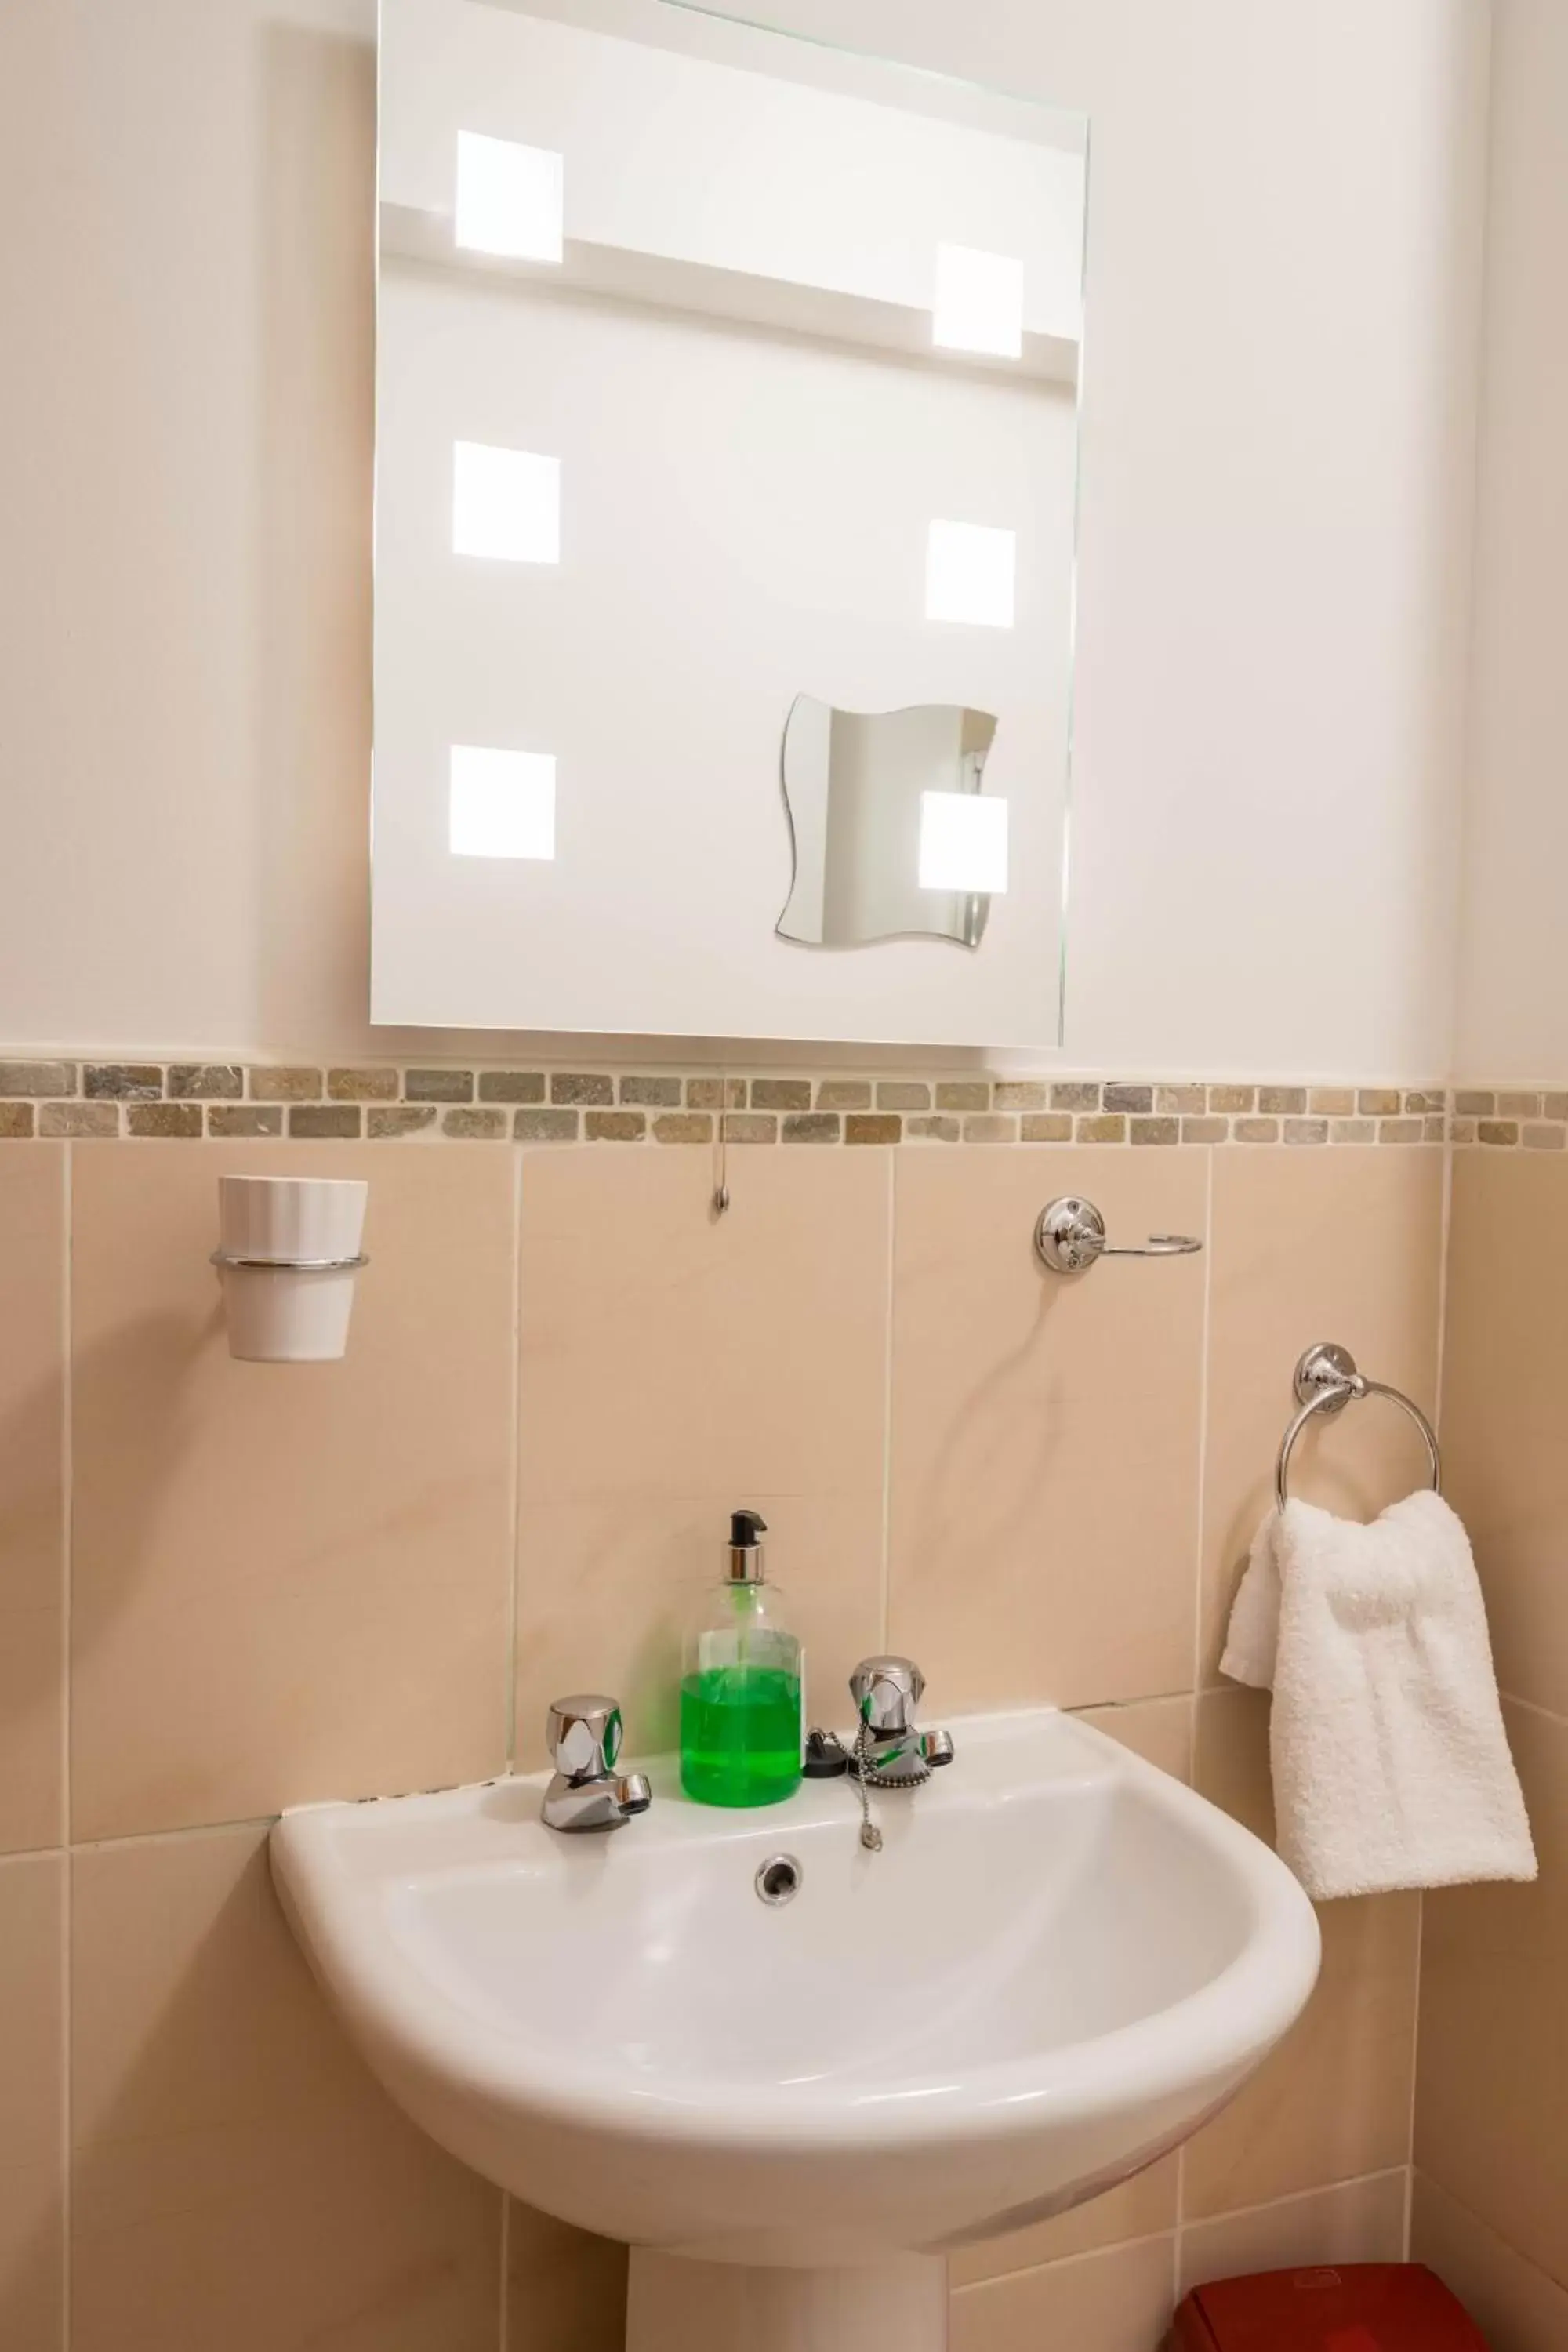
<point x="1069" y="1237"/>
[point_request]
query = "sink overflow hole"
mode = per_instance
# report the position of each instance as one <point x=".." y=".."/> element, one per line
<point x="778" y="1880"/>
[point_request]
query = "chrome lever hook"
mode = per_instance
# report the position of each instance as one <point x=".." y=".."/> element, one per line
<point x="1069" y="1237"/>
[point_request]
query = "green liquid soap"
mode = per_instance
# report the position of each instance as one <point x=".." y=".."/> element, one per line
<point x="739" y="1735"/>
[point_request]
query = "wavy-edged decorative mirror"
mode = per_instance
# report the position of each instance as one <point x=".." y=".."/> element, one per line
<point x="892" y="836"/>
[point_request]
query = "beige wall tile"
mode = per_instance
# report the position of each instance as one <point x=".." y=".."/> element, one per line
<point x="566" y="2289"/>
<point x="240" y="2181"/>
<point x="32" y="2103"/>
<point x="32" y="1587"/>
<point x="1333" y="2102"/>
<point x="1118" y="2301"/>
<point x="1360" y="2222"/>
<point x="290" y="1582"/>
<point x="1158" y="1730"/>
<point x="1517" y="2307"/>
<point x="1492" y="2093"/>
<point x="1314" y="1246"/>
<point x="606" y="1582"/>
<point x="1505" y="1396"/>
<point x="674" y="1366"/>
<point x="1045" y="1437"/>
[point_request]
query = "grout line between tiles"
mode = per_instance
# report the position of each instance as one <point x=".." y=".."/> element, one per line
<point x="1112" y="1706"/>
<point x="1292" y="2197"/>
<point x="884" y="1600"/>
<point x="68" y="1530"/>
<point x="1445" y="1237"/>
<point x="1181" y="2229"/>
<point x="1070" y="2262"/>
<point x="514" y="1440"/>
<point x="1198" y="1615"/>
<point x="188" y="1829"/>
<point x="504" y="2298"/>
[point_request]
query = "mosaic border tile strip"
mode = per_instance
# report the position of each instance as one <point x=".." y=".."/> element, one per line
<point x="1511" y="1118"/>
<point x="91" y="1100"/>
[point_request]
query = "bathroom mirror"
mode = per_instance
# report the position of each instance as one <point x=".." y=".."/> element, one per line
<point x="726" y="423"/>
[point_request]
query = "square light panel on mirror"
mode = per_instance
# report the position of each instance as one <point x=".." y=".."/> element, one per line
<point x="726" y="443"/>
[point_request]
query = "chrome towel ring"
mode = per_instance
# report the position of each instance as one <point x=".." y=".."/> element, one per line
<point x="1326" y="1381"/>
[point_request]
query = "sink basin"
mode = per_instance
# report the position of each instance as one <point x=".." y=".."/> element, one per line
<point x="1058" y="1965"/>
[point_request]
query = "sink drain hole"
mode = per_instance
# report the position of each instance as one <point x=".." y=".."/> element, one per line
<point x="779" y="1879"/>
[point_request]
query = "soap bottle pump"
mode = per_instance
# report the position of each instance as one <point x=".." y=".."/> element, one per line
<point x="741" y="1686"/>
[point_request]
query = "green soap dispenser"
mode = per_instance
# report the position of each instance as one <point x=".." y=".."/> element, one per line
<point x="741" y="1686"/>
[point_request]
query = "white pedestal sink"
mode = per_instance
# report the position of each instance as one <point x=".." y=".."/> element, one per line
<point x="1059" y="1964"/>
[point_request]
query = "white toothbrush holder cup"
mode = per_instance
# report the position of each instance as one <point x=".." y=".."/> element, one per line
<point x="289" y="1250"/>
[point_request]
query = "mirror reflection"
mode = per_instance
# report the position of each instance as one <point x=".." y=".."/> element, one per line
<point x="893" y="837"/>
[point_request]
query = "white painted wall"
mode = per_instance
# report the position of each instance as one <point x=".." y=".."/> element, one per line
<point x="1285" y="210"/>
<point x="1513" y="977"/>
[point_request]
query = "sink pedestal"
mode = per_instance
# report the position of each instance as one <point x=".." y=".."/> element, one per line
<point x="676" y="2305"/>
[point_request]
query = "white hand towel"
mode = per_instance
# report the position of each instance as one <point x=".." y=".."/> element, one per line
<point x="1390" y="1763"/>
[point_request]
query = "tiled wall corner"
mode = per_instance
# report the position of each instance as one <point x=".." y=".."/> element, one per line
<point x="1505" y="1399"/>
<point x="1493" y="2091"/>
<point x="1517" y="2307"/>
<point x="1491" y="2205"/>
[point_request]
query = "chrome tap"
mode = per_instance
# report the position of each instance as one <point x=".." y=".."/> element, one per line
<point x="587" y="1793"/>
<point x="896" y="1753"/>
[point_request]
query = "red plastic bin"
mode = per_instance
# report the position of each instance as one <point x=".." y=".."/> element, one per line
<point x="1336" y="2307"/>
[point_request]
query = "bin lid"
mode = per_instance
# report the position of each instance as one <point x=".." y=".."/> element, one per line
<point x="1337" y="2308"/>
